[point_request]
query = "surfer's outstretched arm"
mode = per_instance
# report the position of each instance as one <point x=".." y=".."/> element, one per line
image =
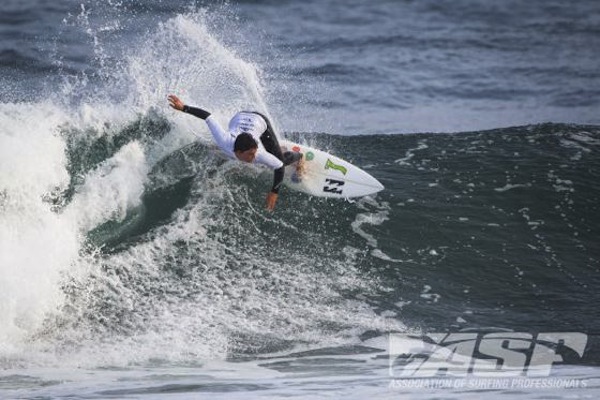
<point x="176" y="103"/>
<point x="224" y="141"/>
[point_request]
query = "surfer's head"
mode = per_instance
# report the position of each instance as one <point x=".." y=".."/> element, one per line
<point x="245" y="147"/>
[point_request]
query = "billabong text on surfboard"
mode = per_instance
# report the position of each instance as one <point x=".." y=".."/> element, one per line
<point x="333" y="189"/>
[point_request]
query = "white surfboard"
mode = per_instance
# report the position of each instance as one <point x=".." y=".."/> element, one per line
<point x="326" y="175"/>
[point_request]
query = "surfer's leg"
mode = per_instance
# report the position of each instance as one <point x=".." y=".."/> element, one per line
<point x="271" y="144"/>
<point x="269" y="140"/>
<point x="290" y="157"/>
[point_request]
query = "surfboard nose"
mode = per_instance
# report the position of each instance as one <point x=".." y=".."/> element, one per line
<point x="377" y="186"/>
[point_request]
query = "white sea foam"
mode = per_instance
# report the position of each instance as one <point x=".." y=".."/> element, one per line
<point x="36" y="244"/>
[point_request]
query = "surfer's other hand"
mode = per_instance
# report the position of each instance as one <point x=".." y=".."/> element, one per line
<point x="271" y="200"/>
<point x="175" y="102"/>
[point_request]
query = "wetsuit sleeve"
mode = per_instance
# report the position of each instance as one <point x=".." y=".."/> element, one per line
<point x="278" y="179"/>
<point x="288" y="158"/>
<point x="197" y="112"/>
<point x="274" y="163"/>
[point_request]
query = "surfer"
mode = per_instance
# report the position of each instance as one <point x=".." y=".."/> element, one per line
<point x="250" y="138"/>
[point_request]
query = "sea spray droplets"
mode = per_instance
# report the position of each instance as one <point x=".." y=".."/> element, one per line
<point x="184" y="56"/>
<point x="111" y="189"/>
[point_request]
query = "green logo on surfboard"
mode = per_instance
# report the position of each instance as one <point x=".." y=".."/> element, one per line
<point x="332" y="165"/>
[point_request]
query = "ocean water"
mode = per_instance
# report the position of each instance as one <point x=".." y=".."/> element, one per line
<point x="136" y="264"/>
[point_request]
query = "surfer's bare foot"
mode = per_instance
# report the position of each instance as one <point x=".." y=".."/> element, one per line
<point x="300" y="167"/>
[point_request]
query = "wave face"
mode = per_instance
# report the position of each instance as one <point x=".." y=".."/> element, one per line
<point x="174" y="256"/>
<point x="127" y="241"/>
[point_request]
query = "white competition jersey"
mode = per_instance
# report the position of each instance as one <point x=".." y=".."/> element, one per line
<point x="243" y="122"/>
<point x="247" y="122"/>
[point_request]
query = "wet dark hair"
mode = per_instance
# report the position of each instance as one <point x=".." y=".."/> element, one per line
<point x="243" y="142"/>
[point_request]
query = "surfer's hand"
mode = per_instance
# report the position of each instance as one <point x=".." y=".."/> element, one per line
<point x="175" y="102"/>
<point x="271" y="200"/>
